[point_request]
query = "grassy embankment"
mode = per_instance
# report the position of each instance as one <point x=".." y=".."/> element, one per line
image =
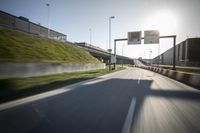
<point x="17" y="46"/>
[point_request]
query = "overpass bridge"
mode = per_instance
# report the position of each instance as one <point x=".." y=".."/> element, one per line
<point x="103" y="55"/>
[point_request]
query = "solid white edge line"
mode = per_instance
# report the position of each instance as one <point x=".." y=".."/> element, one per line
<point x="139" y="78"/>
<point x="32" y="98"/>
<point x="127" y="125"/>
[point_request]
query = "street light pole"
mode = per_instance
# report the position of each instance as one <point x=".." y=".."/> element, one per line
<point x="123" y="54"/>
<point x="90" y="35"/>
<point x="48" y="6"/>
<point x="150" y="56"/>
<point x="111" y="17"/>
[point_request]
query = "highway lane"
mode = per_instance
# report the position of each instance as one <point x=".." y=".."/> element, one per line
<point x="166" y="106"/>
<point x="132" y="100"/>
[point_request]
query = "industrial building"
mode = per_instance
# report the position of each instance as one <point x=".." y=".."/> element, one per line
<point x="23" y="24"/>
<point x="187" y="54"/>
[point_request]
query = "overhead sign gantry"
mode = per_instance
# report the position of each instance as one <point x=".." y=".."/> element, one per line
<point x="150" y="37"/>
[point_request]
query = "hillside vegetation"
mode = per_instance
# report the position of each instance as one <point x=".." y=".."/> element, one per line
<point x="22" y="47"/>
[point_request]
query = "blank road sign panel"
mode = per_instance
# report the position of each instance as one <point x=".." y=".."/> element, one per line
<point x="151" y="36"/>
<point x="134" y="37"/>
<point x="113" y="59"/>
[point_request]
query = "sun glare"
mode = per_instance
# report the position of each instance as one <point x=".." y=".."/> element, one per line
<point x="164" y="21"/>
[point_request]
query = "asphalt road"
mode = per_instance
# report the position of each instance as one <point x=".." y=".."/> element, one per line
<point x="132" y="100"/>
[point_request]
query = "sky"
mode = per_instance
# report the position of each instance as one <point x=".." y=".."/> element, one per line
<point x="75" y="17"/>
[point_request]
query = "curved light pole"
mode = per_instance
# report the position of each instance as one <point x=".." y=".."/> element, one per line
<point x="48" y="6"/>
<point x="111" y="17"/>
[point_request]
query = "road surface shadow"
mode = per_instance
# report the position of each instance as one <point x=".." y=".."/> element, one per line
<point x="9" y="93"/>
<point x="93" y="108"/>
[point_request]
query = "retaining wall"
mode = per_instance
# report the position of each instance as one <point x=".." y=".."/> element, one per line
<point x="10" y="69"/>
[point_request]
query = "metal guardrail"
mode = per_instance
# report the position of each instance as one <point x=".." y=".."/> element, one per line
<point x="97" y="50"/>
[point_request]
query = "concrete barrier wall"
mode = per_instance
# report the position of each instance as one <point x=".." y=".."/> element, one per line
<point x="7" y="20"/>
<point x="8" y="69"/>
<point x="23" y="24"/>
<point x="43" y="32"/>
<point x="34" y="29"/>
<point x="187" y="78"/>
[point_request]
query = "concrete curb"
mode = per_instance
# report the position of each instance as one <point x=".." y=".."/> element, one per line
<point x="187" y="78"/>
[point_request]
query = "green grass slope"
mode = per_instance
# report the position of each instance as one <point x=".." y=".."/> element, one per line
<point x="22" y="47"/>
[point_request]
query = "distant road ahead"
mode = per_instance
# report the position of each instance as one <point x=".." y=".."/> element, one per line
<point x="132" y="100"/>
